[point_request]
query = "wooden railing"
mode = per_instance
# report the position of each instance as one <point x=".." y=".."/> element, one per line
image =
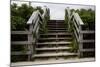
<point x="35" y="24"/>
<point x="76" y="24"/>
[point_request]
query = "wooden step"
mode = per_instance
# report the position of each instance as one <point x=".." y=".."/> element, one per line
<point x="57" y="29"/>
<point x="54" y="39"/>
<point x="57" y="26"/>
<point x="61" y="42"/>
<point x="53" y="48"/>
<point x="66" y="38"/>
<point x="54" y="54"/>
<point x="60" y="33"/>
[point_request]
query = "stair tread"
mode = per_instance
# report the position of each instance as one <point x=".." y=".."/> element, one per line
<point x="55" y="38"/>
<point x="63" y="33"/>
<point x="61" y="42"/>
<point x="57" y="30"/>
<point x="53" y="48"/>
<point x="55" y="54"/>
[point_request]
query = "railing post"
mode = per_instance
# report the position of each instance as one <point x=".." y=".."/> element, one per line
<point x="80" y="42"/>
<point x="69" y="17"/>
<point x="30" y="39"/>
<point x="29" y="3"/>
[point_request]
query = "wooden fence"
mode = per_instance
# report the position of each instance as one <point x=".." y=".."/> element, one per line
<point x="86" y="45"/>
<point x="35" y="23"/>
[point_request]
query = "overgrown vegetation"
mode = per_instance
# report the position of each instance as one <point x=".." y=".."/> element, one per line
<point x="88" y="17"/>
<point x="19" y="18"/>
<point x="20" y="15"/>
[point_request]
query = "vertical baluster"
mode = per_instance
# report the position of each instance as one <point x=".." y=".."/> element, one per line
<point x="80" y="43"/>
<point x="29" y="3"/>
<point x="30" y="39"/>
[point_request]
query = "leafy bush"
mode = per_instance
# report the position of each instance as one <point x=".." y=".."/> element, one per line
<point x="17" y="23"/>
<point x="88" y="17"/>
<point x="20" y="15"/>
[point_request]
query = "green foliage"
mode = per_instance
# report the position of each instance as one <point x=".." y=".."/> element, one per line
<point x="40" y="9"/>
<point x="66" y="16"/>
<point x="88" y="17"/>
<point x="74" y="46"/>
<point x="17" y="23"/>
<point x="20" y="15"/>
<point x="46" y="18"/>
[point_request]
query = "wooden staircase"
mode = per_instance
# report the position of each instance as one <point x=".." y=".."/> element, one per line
<point x="55" y="44"/>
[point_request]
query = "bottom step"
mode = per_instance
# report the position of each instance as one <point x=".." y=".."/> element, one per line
<point x="72" y="60"/>
<point x="54" y="54"/>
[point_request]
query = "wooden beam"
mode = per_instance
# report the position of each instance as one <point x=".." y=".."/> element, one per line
<point x="20" y="53"/>
<point x="33" y="16"/>
<point x="20" y="32"/>
<point x="87" y="32"/>
<point x="36" y="25"/>
<point x="86" y="50"/>
<point x="20" y="42"/>
<point x="87" y="41"/>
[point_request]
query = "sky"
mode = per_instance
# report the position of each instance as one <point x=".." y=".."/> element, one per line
<point x="57" y="11"/>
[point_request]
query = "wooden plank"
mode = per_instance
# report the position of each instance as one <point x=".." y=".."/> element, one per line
<point x="54" y="48"/>
<point x="20" y="42"/>
<point x="76" y="35"/>
<point x="36" y="17"/>
<point x="54" y="61"/>
<point x="77" y="29"/>
<point x="20" y="32"/>
<point x="85" y="50"/>
<point x="61" y="42"/>
<point x="78" y="19"/>
<point x="87" y="32"/>
<point x="61" y="33"/>
<point x="75" y="19"/>
<point x="37" y="24"/>
<point x="44" y="9"/>
<point x="53" y="38"/>
<point x="20" y="53"/>
<point x="54" y="54"/>
<point x="87" y="41"/>
<point x="31" y="18"/>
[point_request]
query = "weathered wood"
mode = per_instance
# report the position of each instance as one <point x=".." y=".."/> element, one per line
<point x="69" y="17"/>
<point x="43" y="15"/>
<point x="61" y="33"/>
<point x="85" y="41"/>
<point x="37" y="32"/>
<point x="20" y="42"/>
<point x="36" y="25"/>
<point x="77" y="18"/>
<point x="30" y="3"/>
<point x="20" y="53"/>
<point x="54" y="48"/>
<point x="76" y="35"/>
<point x="77" y="29"/>
<point x="55" y="54"/>
<point x="33" y="16"/>
<point x="87" y="32"/>
<point x="48" y="43"/>
<point x="20" y="32"/>
<point x="89" y="50"/>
